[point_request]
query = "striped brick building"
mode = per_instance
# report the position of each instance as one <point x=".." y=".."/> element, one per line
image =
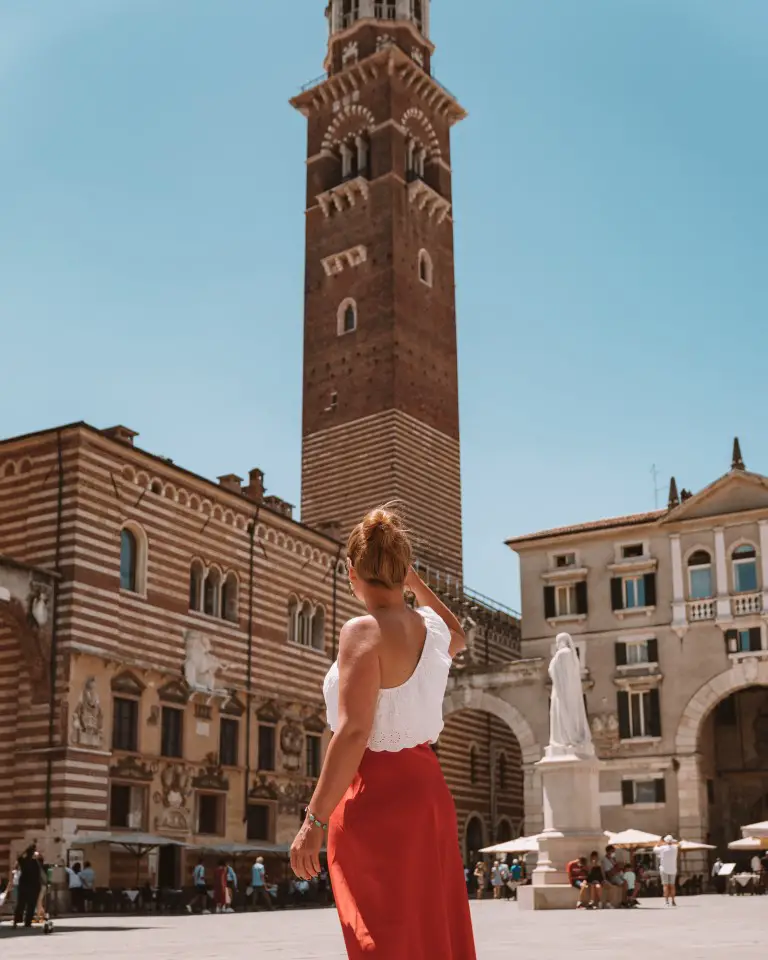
<point x="163" y="638"/>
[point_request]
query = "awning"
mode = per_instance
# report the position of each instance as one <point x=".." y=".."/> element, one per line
<point x="689" y="846"/>
<point x="749" y="843"/>
<point x="130" y="841"/>
<point x="756" y="829"/>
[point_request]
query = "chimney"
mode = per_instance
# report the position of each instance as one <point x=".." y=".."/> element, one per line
<point x="279" y="506"/>
<point x="674" y="499"/>
<point x="737" y="463"/>
<point x="122" y="434"/>
<point x="231" y="481"/>
<point x="331" y="528"/>
<point x="255" y="488"/>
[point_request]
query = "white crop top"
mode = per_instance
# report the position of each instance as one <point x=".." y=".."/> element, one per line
<point x="411" y="714"/>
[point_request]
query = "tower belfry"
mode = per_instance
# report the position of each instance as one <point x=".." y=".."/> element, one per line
<point x="380" y="414"/>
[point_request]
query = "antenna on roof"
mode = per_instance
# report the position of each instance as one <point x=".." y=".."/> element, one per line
<point x="656" y="488"/>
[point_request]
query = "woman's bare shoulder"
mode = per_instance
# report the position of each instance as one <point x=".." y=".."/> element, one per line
<point x="359" y="635"/>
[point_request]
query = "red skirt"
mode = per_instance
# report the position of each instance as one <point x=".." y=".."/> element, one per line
<point x="395" y="865"/>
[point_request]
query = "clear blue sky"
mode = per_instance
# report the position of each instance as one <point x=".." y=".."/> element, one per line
<point x="611" y="211"/>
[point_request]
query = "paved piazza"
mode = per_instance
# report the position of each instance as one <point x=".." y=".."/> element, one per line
<point x="697" y="928"/>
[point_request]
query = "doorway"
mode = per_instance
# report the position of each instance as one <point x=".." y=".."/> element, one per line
<point x="169" y="868"/>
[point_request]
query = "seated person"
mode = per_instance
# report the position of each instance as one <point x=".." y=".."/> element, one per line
<point x="614" y="874"/>
<point x="577" y="877"/>
<point x="595" y="877"/>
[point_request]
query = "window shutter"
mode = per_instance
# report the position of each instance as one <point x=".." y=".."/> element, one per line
<point x="653" y="650"/>
<point x="617" y="594"/>
<point x="661" y="790"/>
<point x="650" y="589"/>
<point x="581" y="597"/>
<point x="622" y="699"/>
<point x="654" y="721"/>
<point x="755" y="639"/>
<point x="620" y="650"/>
<point x="627" y="793"/>
<point x="731" y="641"/>
<point x="549" y="603"/>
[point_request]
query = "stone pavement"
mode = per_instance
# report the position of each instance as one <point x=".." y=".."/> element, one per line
<point x="699" y="928"/>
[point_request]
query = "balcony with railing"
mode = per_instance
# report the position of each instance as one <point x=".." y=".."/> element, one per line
<point x="701" y="610"/>
<point x="746" y="604"/>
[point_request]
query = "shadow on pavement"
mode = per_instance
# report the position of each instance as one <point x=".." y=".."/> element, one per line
<point x="7" y="932"/>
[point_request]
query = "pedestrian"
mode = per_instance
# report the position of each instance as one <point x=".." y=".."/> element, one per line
<point x="231" y="888"/>
<point x="496" y="880"/>
<point x="666" y="853"/>
<point x="480" y="879"/>
<point x="595" y="878"/>
<point x="88" y="878"/>
<point x="614" y="875"/>
<point x="381" y="781"/>
<point x="220" y="887"/>
<point x="259" y="890"/>
<point x="76" y="900"/>
<point x="506" y="887"/>
<point x="201" y="889"/>
<point x="30" y="881"/>
<point x="718" y="881"/>
<point x="40" y="909"/>
<point x="577" y="877"/>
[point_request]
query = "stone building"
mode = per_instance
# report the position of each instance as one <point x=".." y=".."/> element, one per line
<point x="163" y="638"/>
<point x="668" y="610"/>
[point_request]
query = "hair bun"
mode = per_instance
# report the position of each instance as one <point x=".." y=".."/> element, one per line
<point x="379" y="547"/>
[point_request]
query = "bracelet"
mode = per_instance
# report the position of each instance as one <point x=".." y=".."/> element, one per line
<point x="315" y="822"/>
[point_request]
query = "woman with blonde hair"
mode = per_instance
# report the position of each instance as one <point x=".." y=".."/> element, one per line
<point x="381" y="799"/>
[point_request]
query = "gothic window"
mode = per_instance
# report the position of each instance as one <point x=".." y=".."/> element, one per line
<point x="425" y="268"/>
<point x="196" y="575"/>
<point x="347" y="317"/>
<point x="415" y="159"/>
<point x="417" y="13"/>
<point x="744" y="569"/>
<point x="354" y="153"/>
<point x="229" y="598"/>
<point x="700" y="575"/>
<point x="212" y="593"/>
<point x="318" y="629"/>
<point x="293" y="620"/>
<point x="133" y="559"/>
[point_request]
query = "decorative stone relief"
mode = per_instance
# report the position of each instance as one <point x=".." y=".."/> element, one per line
<point x="418" y="56"/>
<point x="154" y="716"/>
<point x="751" y="669"/>
<point x="350" y="53"/>
<point x="88" y="717"/>
<point x="201" y="667"/>
<point x="292" y="745"/>
<point x="294" y="795"/>
<point x="131" y="768"/>
<point x="384" y="40"/>
<point x="211" y="777"/>
<point x="264" y="788"/>
<point x="338" y="262"/>
<point x="29" y="622"/>
<point x="175" y="793"/>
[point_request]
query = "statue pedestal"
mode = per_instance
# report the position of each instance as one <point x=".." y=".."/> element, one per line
<point x="571" y="788"/>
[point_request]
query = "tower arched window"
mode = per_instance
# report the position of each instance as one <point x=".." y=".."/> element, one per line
<point x="744" y="559"/>
<point x="417" y="13"/>
<point x="133" y="559"/>
<point x="354" y="152"/>
<point x="212" y="593"/>
<point x="415" y="159"/>
<point x="229" y="598"/>
<point x="196" y="576"/>
<point x="347" y="317"/>
<point x="350" y="11"/>
<point x="425" y="268"/>
<point x="700" y="575"/>
<point x="385" y="9"/>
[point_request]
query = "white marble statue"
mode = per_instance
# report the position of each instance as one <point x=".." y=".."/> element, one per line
<point x="201" y="666"/>
<point x="569" y="729"/>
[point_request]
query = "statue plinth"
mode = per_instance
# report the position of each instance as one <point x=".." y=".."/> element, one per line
<point x="571" y="789"/>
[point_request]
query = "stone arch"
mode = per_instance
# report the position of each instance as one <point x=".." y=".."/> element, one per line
<point x="750" y="672"/>
<point x="352" y="118"/>
<point x="469" y="699"/>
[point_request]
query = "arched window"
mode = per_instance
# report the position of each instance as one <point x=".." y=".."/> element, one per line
<point x="196" y="574"/>
<point x="293" y="620"/>
<point x="305" y="624"/>
<point x="350" y="11"/>
<point x="133" y="559"/>
<point x="347" y="317"/>
<point x="417" y="13"/>
<point x="744" y="569"/>
<point x="129" y="551"/>
<point x="473" y="764"/>
<point x="211" y="593"/>
<point x="475" y="838"/>
<point x="415" y="159"/>
<point x="229" y="598"/>
<point x="700" y="575"/>
<point x="425" y="268"/>
<point x="318" y="629"/>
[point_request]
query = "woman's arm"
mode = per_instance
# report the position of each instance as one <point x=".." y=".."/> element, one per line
<point x="427" y="598"/>
<point x="359" y="685"/>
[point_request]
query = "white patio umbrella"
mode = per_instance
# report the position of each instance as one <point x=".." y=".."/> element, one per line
<point x="749" y="843"/>
<point x="755" y="829"/>
<point x="631" y="839"/>
<point x="690" y="846"/>
<point x="521" y="845"/>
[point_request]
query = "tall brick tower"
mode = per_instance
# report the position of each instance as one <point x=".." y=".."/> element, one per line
<point x="381" y="412"/>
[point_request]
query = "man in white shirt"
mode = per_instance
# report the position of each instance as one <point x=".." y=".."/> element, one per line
<point x="666" y="853"/>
